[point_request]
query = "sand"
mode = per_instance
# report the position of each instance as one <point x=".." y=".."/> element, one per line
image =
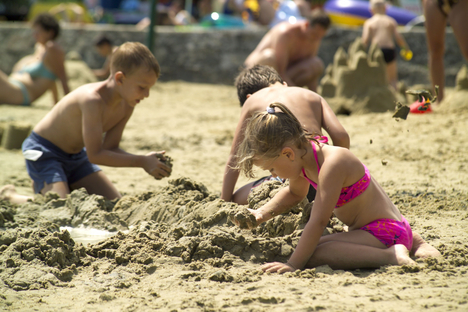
<point x="177" y="249"/>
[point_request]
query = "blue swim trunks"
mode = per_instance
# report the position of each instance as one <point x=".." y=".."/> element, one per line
<point x="46" y="163"/>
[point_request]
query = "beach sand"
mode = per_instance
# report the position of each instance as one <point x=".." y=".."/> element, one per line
<point x="178" y="251"/>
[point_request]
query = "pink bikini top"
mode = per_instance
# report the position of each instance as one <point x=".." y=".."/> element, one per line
<point x="348" y="193"/>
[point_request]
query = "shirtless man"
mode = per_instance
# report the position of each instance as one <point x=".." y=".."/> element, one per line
<point x="259" y="86"/>
<point x="292" y="49"/>
<point x="381" y="30"/>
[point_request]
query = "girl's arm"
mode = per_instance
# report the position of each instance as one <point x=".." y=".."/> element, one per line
<point x="284" y="200"/>
<point x="54" y="91"/>
<point x="55" y="59"/>
<point x="331" y="180"/>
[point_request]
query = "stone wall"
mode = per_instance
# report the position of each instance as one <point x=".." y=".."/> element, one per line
<point x="211" y="55"/>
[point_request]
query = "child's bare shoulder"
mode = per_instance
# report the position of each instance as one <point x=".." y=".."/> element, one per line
<point x="86" y="96"/>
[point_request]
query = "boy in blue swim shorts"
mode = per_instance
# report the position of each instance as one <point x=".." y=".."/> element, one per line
<point x="84" y="130"/>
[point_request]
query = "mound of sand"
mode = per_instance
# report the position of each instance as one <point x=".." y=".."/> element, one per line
<point x="356" y="81"/>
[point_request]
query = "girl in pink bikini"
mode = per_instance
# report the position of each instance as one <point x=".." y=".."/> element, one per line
<point x="378" y="234"/>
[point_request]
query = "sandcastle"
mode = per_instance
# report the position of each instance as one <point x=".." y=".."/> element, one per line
<point x="356" y="81"/>
<point x="12" y="135"/>
<point x="458" y="99"/>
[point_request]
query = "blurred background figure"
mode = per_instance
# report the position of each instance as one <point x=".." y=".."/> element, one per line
<point x="68" y="12"/>
<point x="33" y="75"/>
<point x="105" y="48"/>
<point x="438" y="13"/>
<point x="291" y="49"/>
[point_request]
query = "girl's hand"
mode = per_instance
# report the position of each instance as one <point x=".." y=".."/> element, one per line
<point x="278" y="267"/>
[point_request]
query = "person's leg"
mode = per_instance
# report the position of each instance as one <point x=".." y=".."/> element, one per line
<point x="356" y="249"/>
<point x="9" y="93"/>
<point x="307" y="72"/>
<point x="240" y="196"/>
<point x="392" y="74"/>
<point x="97" y="183"/>
<point x="265" y="57"/>
<point x="8" y="192"/>
<point x="349" y="256"/>
<point x="421" y="249"/>
<point x="60" y="188"/>
<point x="435" y="33"/>
<point x="459" y="22"/>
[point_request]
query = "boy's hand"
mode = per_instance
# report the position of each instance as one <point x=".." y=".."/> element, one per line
<point x="155" y="165"/>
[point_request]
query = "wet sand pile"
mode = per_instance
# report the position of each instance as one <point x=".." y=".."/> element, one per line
<point x="356" y="81"/>
<point x="181" y="220"/>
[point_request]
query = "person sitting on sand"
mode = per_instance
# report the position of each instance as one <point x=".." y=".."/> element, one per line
<point x="257" y="87"/>
<point x="276" y="141"/>
<point x="84" y="130"/>
<point x="292" y="49"/>
<point x="105" y="48"/>
<point x="33" y="79"/>
<point x="381" y="30"/>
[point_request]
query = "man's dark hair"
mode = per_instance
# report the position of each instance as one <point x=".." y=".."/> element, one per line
<point x="48" y="23"/>
<point x="251" y="80"/>
<point x="102" y="40"/>
<point x="319" y="17"/>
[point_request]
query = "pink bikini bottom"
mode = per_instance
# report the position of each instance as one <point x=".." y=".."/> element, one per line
<point x="391" y="232"/>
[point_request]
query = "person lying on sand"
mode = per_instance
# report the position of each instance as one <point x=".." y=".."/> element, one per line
<point x="256" y="88"/>
<point x="378" y="235"/>
<point x="292" y="50"/>
<point x="35" y="74"/>
<point x="85" y="128"/>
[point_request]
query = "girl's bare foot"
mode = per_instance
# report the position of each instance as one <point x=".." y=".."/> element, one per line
<point x="8" y="192"/>
<point x="401" y="255"/>
<point x="421" y="249"/>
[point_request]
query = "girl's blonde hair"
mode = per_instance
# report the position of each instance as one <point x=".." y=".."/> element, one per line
<point x="267" y="133"/>
<point x="130" y="56"/>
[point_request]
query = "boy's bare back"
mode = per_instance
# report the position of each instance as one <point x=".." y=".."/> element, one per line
<point x="311" y="110"/>
<point x="381" y="30"/>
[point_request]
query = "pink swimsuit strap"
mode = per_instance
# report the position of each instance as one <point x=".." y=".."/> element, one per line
<point x="347" y="193"/>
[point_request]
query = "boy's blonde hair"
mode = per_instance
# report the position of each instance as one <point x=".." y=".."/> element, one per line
<point x="267" y="133"/>
<point x="128" y="57"/>
<point x="378" y="5"/>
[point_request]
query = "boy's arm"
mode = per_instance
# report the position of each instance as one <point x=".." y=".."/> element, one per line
<point x="333" y="126"/>
<point x="231" y="175"/>
<point x="107" y="152"/>
<point x="399" y="38"/>
<point x="365" y="34"/>
<point x="103" y="72"/>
